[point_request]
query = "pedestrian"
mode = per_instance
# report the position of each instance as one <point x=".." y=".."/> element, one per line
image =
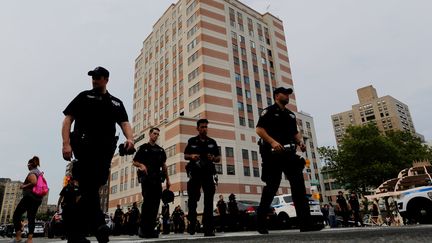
<point x="68" y="201"/>
<point x="332" y="216"/>
<point x="222" y="210"/>
<point x="165" y="219"/>
<point x="118" y="220"/>
<point x="279" y="140"/>
<point x="233" y="212"/>
<point x="202" y="152"/>
<point x="178" y="220"/>
<point x="93" y="142"/>
<point x="152" y="171"/>
<point x="133" y="219"/>
<point x="355" y="209"/>
<point x="325" y="212"/>
<point x="29" y="202"/>
<point x="343" y="208"/>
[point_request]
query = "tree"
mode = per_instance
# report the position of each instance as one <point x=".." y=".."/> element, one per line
<point x="366" y="158"/>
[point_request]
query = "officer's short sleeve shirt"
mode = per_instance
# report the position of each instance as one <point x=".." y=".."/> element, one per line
<point x="280" y="124"/>
<point x="96" y="113"/>
<point x="197" y="146"/>
<point x="152" y="156"/>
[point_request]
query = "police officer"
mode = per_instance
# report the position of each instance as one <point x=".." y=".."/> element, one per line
<point x="277" y="128"/>
<point x="201" y="151"/>
<point x="152" y="171"/>
<point x="93" y="142"/>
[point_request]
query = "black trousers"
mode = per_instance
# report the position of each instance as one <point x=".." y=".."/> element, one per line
<point x="29" y="204"/>
<point x="91" y="171"/>
<point x="272" y="168"/>
<point x="197" y="181"/>
<point x="152" y="194"/>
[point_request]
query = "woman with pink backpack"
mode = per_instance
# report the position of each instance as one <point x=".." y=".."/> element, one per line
<point x="34" y="189"/>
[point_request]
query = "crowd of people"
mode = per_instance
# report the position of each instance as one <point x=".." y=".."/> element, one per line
<point x="351" y="211"/>
<point x="89" y="140"/>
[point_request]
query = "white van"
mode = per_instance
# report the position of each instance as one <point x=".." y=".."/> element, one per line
<point x="287" y="216"/>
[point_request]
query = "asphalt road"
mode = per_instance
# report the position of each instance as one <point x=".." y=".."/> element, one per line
<point x="405" y="234"/>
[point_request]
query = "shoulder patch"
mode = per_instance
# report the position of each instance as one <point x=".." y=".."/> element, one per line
<point x="263" y="112"/>
<point x="292" y="116"/>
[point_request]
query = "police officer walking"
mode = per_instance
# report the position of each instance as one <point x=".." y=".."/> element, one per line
<point x="93" y="142"/>
<point x="201" y="151"/>
<point x="277" y="128"/>
<point x="152" y="171"/>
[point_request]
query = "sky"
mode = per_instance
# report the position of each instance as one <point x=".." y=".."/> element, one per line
<point x="335" y="47"/>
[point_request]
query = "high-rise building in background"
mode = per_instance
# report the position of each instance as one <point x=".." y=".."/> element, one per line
<point x="386" y="112"/>
<point x="218" y="60"/>
<point x="11" y="197"/>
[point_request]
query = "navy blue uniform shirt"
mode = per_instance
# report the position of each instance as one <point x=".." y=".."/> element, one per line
<point x="279" y="124"/>
<point x="96" y="114"/>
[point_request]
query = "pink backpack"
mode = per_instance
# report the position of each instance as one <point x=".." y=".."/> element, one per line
<point x="41" y="187"/>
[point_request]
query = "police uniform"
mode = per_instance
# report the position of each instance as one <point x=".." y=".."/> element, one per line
<point x="281" y="125"/>
<point x="93" y="144"/>
<point x="153" y="157"/>
<point x="201" y="175"/>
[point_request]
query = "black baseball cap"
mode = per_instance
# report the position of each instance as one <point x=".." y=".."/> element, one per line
<point x="99" y="71"/>
<point x="282" y="90"/>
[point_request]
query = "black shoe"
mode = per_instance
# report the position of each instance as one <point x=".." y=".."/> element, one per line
<point x="191" y="230"/>
<point x="149" y="235"/>
<point x="311" y="228"/>
<point x="209" y="233"/>
<point x="263" y="231"/>
<point x="102" y="234"/>
<point x="78" y="240"/>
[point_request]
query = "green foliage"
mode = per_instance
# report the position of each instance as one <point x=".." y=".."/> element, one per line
<point x="366" y="158"/>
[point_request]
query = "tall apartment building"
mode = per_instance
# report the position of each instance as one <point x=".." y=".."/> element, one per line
<point x="218" y="60"/>
<point x="386" y="112"/>
<point x="3" y="182"/>
<point x="307" y="128"/>
<point x="12" y="196"/>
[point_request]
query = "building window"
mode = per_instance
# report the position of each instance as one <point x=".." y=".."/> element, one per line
<point x="230" y="170"/>
<point x="193" y="74"/>
<point x="249" y="107"/>
<point x="229" y="151"/>
<point x="114" y="176"/>
<point x="240" y="105"/>
<point x="170" y="151"/>
<point x="256" y="172"/>
<point x="245" y="154"/>
<point x="194" y="89"/>
<point x="254" y="155"/>
<point x="251" y="123"/>
<point x="242" y="121"/>
<point x="246" y="79"/>
<point x="259" y="98"/>
<point x="194" y="104"/>
<point x="252" y="44"/>
<point x="218" y="168"/>
<point x="239" y="91"/>
<point x="246" y="170"/>
<point x="237" y="77"/>
<point x="269" y="101"/>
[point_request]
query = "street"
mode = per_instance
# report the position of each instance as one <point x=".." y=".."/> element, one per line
<point x="416" y="233"/>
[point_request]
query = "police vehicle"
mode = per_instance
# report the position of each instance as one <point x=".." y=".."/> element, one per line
<point x="415" y="205"/>
<point x="286" y="214"/>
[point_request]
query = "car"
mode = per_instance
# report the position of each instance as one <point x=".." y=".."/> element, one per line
<point x="247" y="217"/>
<point x="39" y="230"/>
<point x="2" y="230"/>
<point x="415" y="205"/>
<point x="9" y="230"/>
<point x="287" y="216"/>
